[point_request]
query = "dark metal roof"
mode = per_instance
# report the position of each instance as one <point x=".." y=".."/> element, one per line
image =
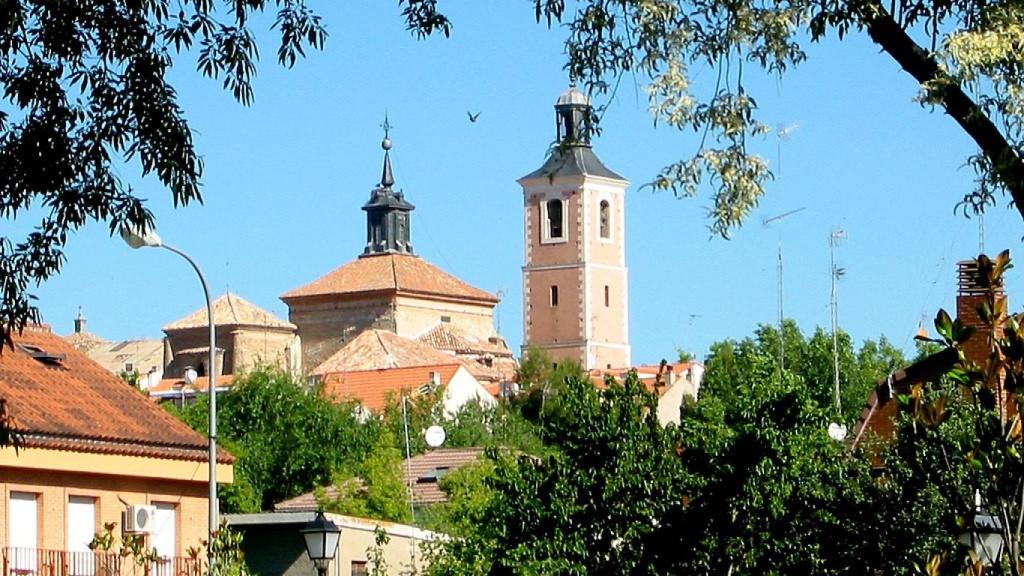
<point x="574" y="161"/>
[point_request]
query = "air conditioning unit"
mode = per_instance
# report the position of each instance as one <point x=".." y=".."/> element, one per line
<point x="139" y="519"/>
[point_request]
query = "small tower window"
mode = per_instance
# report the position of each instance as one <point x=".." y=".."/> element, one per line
<point x="605" y="220"/>
<point x="607" y="297"/>
<point x="554" y="219"/>
<point x="554" y="296"/>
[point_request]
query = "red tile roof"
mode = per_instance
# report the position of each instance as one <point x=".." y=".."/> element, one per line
<point x="231" y="310"/>
<point x="375" y="349"/>
<point x="426" y="470"/>
<point x="647" y="373"/>
<point x="201" y="384"/>
<point x="60" y="399"/>
<point x="390" y="273"/>
<point x="372" y="388"/>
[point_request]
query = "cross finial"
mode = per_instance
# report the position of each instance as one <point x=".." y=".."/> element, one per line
<point x="386" y="143"/>
<point x="386" y="178"/>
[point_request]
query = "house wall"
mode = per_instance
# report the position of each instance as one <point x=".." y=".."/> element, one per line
<point x="327" y="325"/>
<point x="54" y="488"/>
<point x="462" y="389"/>
<point x="178" y="340"/>
<point x="255" y="347"/>
<point x="414" y="316"/>
<point x="684" y="385"/>
<point x="547" y="324"/>
<point x="277" y="548"/>
<point x="547" y="252"/>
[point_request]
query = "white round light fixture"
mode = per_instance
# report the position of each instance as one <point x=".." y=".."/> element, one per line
<point x="434" y="436"/>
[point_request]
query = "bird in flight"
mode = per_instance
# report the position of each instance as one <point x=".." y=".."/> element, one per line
<point x="472" y="117"/>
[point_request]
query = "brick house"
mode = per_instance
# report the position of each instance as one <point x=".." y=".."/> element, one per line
<point x="92" y="448"/>
<point x="878" y="418"/>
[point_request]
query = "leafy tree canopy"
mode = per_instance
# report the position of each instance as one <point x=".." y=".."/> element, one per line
<point x="734" y="368"/>
<point x="589" y="506"/>
<point x="287" y="440"/>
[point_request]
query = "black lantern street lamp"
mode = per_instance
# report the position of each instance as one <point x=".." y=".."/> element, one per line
<point x="322" y="537"/>
<point x="985" y="535"/>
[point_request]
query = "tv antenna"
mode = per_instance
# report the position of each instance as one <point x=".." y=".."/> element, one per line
<point x="837" y="273"/>
<point x="782" y="348"/>
<point x="497" y="312"/>
<point x="783" y="133"/>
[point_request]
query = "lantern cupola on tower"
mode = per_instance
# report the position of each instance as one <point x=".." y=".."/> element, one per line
<point x="387" y="212"/>
<point x="572" y="113"/>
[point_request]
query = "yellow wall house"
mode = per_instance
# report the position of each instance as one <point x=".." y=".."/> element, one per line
<point x="93" y="448"/>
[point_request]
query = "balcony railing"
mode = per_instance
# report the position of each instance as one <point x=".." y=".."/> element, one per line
<point x="40" y="562"/>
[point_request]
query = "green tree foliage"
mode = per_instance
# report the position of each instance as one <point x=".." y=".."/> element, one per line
<point x="589" y="506"/>
<point x="734" y="367"/>
<point x="768" y="492"/>
<point x="749" y="483"/>
<point x="468" y="495"/>
<point x="542" y="382"/>
<point x="374" y="489"/>
<point x="287" y="440"/>
<point x="474" y="425"/>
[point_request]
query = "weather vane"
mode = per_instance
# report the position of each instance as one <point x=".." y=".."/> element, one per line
<point x="386" y="143"/>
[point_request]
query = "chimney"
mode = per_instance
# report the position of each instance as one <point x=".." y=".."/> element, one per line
<point x="79" y="322"/>
<point x="971" y="295"/>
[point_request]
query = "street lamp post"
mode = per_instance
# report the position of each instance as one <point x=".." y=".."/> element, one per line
<point x="984" y="535"/>
<point x="150" y="239"/>
<point x="322" y="537"/>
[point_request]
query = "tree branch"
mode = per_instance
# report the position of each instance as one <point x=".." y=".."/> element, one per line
<point x="1007" y="164"/>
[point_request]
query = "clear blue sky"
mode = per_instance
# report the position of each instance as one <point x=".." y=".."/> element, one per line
<point x="285" y="180"/>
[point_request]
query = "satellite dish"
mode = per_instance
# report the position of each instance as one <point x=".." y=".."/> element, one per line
<point x="190" y="376"/>
<point x="837" y="431"/>
<point x="434" y="436"/>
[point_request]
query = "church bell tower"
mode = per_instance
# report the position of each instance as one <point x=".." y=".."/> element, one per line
<point x="575" y="281"/>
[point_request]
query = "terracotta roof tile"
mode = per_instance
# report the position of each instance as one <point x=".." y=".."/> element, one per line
<point x="424" y="470"/>
<point x="201" y="384"/>
<point x="87" y="341"/>
<point x="60" y="399"/>
<point x="143" y="354"/>
<point x="231" y="310"/>
<point x="390" y="273"/>
<point x="372" y="388"/>
<point x="445" y="336"/>
<point x="374" y="349"/>
<point x="646" y="373"/>
<point x="427" y="469"/>
<point x="308" y="501"/>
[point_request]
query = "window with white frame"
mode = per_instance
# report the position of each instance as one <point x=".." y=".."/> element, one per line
<point x="605" y="219"/>
<point x="554" y="220"/>
<point x="23" y="531"/>
<point x="81" y="531"/>
<point x="164" y="538"/>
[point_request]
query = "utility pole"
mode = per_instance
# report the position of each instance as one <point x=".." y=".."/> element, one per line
<point x="837" y="273"/>
<point x="779" y="288"/>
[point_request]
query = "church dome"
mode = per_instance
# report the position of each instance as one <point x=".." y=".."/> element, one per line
<point x="573" y="96"/>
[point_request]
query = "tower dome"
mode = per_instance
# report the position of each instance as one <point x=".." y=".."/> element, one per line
<point x="573" y="96"/>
